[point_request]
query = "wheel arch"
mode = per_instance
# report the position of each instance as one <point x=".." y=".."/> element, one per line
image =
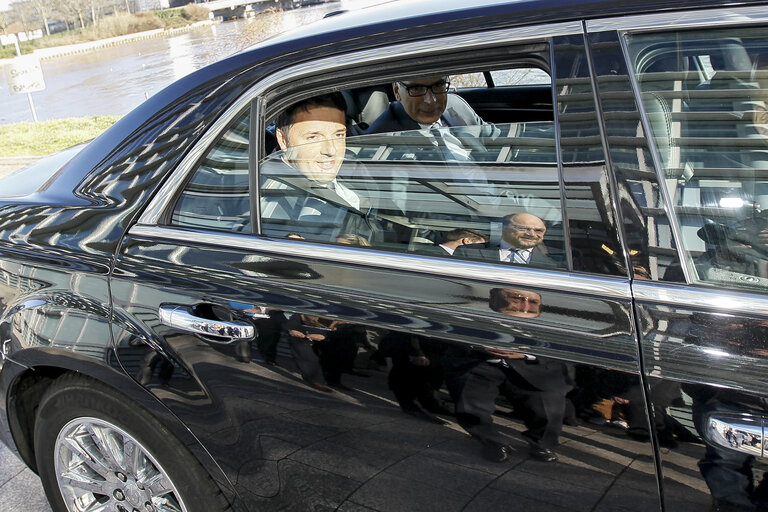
<point x="26" y="391"/>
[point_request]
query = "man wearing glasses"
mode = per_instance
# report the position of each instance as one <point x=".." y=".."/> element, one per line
<point x="424" y="103"/>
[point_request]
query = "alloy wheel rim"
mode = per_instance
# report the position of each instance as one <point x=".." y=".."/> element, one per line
<point x="100" y="467"/>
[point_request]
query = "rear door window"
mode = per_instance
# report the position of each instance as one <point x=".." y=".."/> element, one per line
<point x="704" y="94"/>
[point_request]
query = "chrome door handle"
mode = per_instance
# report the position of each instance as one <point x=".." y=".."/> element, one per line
<point x="181" y="318"/>
<point x="743" y="433"/>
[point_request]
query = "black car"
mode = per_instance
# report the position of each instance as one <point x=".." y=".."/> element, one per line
<point x="192" y="323"/>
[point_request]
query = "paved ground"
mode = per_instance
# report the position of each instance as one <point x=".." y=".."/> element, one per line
<point x="20" y="488"/>
<point x="10" y="164"/>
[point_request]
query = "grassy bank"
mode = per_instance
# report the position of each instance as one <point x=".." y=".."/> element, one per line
<point x="45" y="137"/>
<point x="115" y="25"/>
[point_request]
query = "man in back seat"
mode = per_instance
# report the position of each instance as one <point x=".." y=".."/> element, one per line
<point x="424" y="103"/>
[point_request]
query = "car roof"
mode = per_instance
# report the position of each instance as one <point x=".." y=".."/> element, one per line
<point x="410" y="14"/>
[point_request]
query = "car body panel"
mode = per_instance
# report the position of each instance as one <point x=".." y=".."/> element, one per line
<point x="90" y="260"/>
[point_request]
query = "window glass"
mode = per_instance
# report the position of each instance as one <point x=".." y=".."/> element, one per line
<point x="217" y="197"/>
<point x="410" y="191"/>
<point x="430" y="177"/>
<point x="704" y="93"/>
<point x="413" y="167"/>
<point x="468" y="80"/>
<point x="520" y="76"/>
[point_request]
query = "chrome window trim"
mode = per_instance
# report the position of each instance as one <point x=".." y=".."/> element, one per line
<point x="154" y="211"/>
<point x="603" y="287"/>
<point x="700" y="297"/>
<point x="682" y="19"/>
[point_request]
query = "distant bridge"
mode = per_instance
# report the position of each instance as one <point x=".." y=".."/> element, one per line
<point x="228" y="9"/>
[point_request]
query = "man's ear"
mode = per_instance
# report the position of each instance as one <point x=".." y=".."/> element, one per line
<point x="396" y="90"/>
<point x="282" y="140"/>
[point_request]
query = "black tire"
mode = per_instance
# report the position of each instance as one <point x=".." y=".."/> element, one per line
<point x="85" y="413"/>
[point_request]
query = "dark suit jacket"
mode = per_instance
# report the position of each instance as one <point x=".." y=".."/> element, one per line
<point x="396" y="119"/>
<point x="540" y="256"/>
<point x="314" y="212"/>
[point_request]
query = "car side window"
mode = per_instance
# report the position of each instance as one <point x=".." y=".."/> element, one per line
<point x="415" y="190"/>
<point x="217" y="195"/>
<point x="460" y="188"/>
<point x="705" y="94"/>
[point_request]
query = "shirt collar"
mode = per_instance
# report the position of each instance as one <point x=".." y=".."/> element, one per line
<point x="506" y="246"/>
<point x="436" y="124"/>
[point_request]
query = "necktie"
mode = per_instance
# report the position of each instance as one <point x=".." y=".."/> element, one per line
<point x="449" y="145"/>
<point x="518" y="256"/>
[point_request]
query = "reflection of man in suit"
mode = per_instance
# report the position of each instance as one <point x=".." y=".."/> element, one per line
<point x="300" y="185"/>
<point x="522" y="237"/>
<point x="536" y="386"/>
<point x="452" y="240"/>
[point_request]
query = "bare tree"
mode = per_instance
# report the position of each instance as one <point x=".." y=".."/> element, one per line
<point x="76" y="10"/>
<point x="22" y="11"/>
<point x="44" y="9"/>
<point x="5" y="20"/>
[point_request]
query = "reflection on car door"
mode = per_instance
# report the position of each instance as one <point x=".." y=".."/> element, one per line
<point x="436" y="344"/>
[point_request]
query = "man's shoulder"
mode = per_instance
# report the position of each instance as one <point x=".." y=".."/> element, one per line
<point x="393" y="119"/>
<point x="477" y="252"/>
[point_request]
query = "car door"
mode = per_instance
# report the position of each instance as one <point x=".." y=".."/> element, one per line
<point x="695" y="201"/>
<point x="223" y="278"/>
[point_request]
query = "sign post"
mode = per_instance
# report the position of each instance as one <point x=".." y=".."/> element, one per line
<point x="25" y="75"/>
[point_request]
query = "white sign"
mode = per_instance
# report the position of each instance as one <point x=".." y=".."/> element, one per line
<point x="24" y="74"/>
<point x="7" y="39"/>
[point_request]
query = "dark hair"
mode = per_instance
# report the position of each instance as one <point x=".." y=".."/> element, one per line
<point x="332" y="100"/>
<point x="458" y="234"/>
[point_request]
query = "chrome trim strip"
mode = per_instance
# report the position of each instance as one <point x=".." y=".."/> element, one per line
<point x="385" y="54"/>
<point x="699" y="297"/>
<point x="681" y="19"/>
<point x="614" y="288"/>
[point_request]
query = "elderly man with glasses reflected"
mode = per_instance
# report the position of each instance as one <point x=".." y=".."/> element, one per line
<point x="425" y="103"/>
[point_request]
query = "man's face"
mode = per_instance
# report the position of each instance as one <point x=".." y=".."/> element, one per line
<point x="423" y="109"/>
<point x="315" y="142"/>
<point x="519" y="303"/>
<point x="524" y="231"/>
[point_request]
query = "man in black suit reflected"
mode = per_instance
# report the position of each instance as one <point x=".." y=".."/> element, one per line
<point x="535" y="386"/>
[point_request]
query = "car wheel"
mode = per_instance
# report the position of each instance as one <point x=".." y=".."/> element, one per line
<point x="97" y="450"/>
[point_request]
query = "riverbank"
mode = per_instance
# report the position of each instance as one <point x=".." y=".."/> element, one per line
<point x="72" y="49"/>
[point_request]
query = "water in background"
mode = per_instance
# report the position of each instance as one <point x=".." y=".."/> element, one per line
<point x="116" y="79"/>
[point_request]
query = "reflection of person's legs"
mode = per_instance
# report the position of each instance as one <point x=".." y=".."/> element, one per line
<point x="543" y="417"/>
<point x="243" y="351"/>
<point x="267" y="345"/>
<point x="728" y="473"/>
<point x="336" y="352"/>
<point x="399" y="381"/>
<point x="306" y="360"/>
<point x="476" y="402"/>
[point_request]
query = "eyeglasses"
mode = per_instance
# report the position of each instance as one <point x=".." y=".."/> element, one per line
<point x="416" y="91"/>
<point x="538" y="231"/>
